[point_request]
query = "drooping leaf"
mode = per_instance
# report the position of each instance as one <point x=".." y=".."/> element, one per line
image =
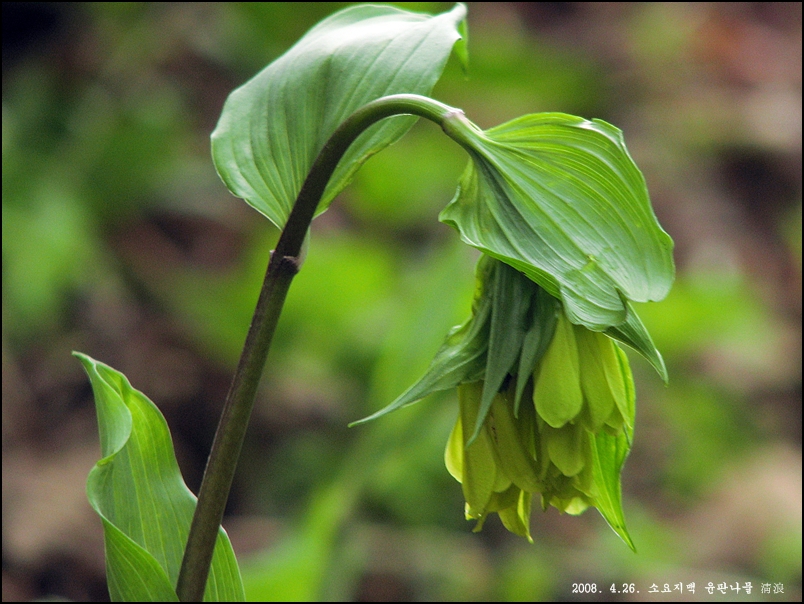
<point x="608" y="455"/>
<point x="462" y="357"/>
<point x="511" y="300"/>
<point x="559" y="198"/>
<point x="273" y="127"/>
<point x="633" y="333"/>
<point x="543" y="317"/>
<point x="609" y="452"/>
<point x="137" y="490"/>
<point x="628" y="410"/>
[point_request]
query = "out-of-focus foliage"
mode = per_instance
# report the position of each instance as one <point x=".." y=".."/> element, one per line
<point x="118" y="239"/>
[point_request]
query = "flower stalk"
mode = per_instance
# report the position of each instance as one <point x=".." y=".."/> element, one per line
<point x="285" y="262"/>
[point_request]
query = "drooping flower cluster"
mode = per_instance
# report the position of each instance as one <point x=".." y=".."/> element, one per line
<point x="557" y="427"/>
<point x="546" y="407"/>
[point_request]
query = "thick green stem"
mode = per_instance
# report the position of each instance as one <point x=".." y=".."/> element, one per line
<point x="283" y="266"/>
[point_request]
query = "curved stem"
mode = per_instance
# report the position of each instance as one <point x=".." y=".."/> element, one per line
<point x="282" y="267"/>
<point x="311" y="192"/>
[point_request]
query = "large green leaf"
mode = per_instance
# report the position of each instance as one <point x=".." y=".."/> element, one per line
<point x="273" y="127"/>
<point x="137" y="490"/>
<point x="559" y="198"/>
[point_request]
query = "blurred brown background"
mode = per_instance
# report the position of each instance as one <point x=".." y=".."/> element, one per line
<point x="120" y="241"/>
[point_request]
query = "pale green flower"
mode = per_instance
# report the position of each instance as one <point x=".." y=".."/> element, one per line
<point x="581" y="390"/>
<point x="546" y="408"/>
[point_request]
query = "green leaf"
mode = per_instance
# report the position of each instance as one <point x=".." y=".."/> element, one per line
<point x="628" y="410"/>
<point x="511" y="299"/>
<point x="462" y="357"/>
<point x="137" y="490"/>
<point x="608" y="456"/>
<point x="609" y="453"/>
<point x="273" y="127"/>
<point x="559" y="198"/>
<point x="543" y="317"/>
<point x="633" y="333"/>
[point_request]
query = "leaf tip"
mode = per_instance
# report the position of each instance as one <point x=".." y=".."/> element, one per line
<point x="85" y="360"/>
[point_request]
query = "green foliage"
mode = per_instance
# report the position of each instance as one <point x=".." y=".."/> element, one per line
<point x="556" y="198"/>
<point x="137" y="490"/>
<point x="569" y="239"/>
<point x="273" y="127"/>
<point x="559" y="198"/>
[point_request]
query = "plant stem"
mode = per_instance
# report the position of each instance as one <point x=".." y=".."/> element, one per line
<point x="282" y="267"/>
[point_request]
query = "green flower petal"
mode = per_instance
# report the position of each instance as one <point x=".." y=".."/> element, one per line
<point x="601" y="377"/>
<point x="480" y="478"/>
<point x="513" y="454"/>
<point x="567" y="447"/>
<point x="516" y="518"/>
<point x="557" y="381"/>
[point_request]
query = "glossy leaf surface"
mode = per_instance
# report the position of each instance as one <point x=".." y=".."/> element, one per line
<point x="137" y="490"/>
<point x="559" y="198"/>
<point x="273" y="127"/>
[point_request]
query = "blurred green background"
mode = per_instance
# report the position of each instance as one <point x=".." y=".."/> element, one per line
<point x="120" y="241"/>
